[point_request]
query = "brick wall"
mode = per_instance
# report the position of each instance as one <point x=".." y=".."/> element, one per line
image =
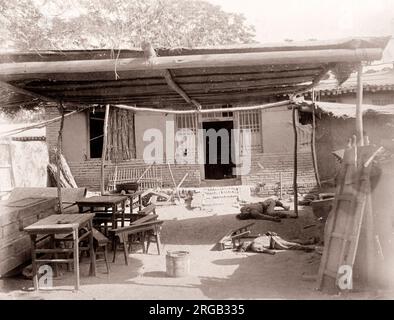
<point x="266" y="168"/>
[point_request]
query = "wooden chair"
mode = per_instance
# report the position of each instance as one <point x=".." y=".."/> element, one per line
<point x="148" y="230"/>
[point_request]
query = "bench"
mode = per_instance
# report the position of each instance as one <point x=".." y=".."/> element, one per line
<point x="147" y="229"/>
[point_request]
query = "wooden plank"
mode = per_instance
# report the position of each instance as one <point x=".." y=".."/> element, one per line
<point x="195" y="61"/>
<point x="343" y="225"/>
<point x="359" y="103"/>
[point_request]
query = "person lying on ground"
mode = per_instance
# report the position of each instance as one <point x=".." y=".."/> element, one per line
<point x="271" y="241"/>
<point x="265" y="211"/>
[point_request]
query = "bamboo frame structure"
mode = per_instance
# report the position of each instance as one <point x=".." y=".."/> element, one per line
<point x="104" y="151"/>
<point x="359" y="103"/>
<point x="295" y="188"/>
<point x="58" y="158"/>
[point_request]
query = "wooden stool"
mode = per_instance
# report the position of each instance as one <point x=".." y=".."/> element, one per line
<point x="101" y="241"/>
<point x="155" y="236"/>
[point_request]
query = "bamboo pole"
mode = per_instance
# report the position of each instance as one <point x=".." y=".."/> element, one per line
<point x="58" y="158"/>
<point x="359" y="107"/>
<point x="234" y="109"/>
<point x="41" y="124"/>
<point x="295" y="188"/>
<point x="150" y="53"/>
<point x="194" y="61"/>
<point x="104" y="151"/>
<point x="313" y="147"/>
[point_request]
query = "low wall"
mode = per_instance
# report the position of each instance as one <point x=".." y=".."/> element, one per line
<point x="266" y="169"/>
<point x="87" y="173"/>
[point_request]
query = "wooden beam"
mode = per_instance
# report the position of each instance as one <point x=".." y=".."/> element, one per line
<point x="359" y="107"/>
<point x="194" y="61"/>
<point x="316" y="80"/>
<point x="26" y="92"/>
<point x="233" y="109"/>
<point x="58" y="158"/>
<point x="159" y="74"/>
<point x="41" y="124"/>
<point x="181" y="80"/>
<point x="104" y="151"/>
<point x="295" y="187"/>
<point x="22" y="91"/>
<point x="150" y="53"/>
<point x="141" y="86"/>
<point x="313" y="146"/>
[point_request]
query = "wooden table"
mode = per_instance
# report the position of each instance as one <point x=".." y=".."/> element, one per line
<point x="100" y="205"/>
<point x="61" y="224"/>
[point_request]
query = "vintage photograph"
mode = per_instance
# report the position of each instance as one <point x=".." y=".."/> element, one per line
<point x="196" y="150"/>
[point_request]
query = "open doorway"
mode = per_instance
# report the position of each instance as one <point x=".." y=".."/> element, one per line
<point x="222" y="168"/>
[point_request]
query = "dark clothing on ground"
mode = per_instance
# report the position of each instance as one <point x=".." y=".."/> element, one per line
<point x="263" y="211"/>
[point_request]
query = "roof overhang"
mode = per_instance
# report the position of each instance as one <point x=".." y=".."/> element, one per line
<point x="344" y="110"/>
<point x="239" y="75"/>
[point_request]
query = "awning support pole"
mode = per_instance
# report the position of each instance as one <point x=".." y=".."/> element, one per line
<point x="58" y="160"/>
<point x="104" y="151"/>
<point x="295" y="188"/>
<point x="359" y="103"/>
<point x="313" y="142"/>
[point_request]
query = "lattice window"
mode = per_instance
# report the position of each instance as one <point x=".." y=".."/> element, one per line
<point x="186" y="121"/>
<point x="251" y="120"/>
<point x="189" y="122"/>
<point x="222" y="115"/>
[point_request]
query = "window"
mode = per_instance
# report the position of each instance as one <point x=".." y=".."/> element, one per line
<point x="251" y="120"/>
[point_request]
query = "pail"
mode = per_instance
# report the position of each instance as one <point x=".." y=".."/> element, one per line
<point x="177" y="263"/>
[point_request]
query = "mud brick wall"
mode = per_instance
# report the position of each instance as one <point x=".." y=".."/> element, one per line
<point x="266" y="168"/>
<point x="15" y="246"/>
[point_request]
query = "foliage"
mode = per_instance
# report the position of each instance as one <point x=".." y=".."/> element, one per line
<point x="93" y="24"/>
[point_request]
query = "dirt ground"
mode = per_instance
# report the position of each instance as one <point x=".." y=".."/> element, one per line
<point x="213" y="274"/>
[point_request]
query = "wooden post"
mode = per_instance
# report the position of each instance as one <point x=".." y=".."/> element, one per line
<point x="104" y="152"/>
<point x="295" y="189"/>
<point x="313" y="147"/>
<point x="280" y="186"/>
<point x="58" y="158"/>
<point x="359" y="109"/>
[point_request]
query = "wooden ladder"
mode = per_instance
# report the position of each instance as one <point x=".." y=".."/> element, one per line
<point x="343" y="226"/>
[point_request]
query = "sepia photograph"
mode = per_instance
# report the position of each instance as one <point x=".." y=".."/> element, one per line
<point x="206" y="151"/>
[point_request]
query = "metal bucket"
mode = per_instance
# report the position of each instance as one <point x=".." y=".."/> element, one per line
<point x="177" y="263"/>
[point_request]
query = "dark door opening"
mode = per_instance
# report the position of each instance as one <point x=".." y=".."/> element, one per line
<point x="222" y="168"/>
<point x="96" y="134"/>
